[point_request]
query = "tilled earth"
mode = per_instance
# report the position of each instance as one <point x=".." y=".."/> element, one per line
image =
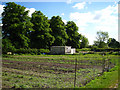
<point x="44" y="66"/>
<point x="36" y="68"/>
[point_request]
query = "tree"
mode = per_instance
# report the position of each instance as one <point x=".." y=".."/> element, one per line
<point x="102" y="37"/>
<point x="58" y="31"/>
<point x="84" y="42"/>
<point x="113" y="43"/>
<point x="74" y="36"/>
<point x="16" y="25"/>
<point x="41" y="37"/>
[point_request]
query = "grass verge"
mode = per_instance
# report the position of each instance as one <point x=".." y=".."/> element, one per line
<point x="107" y="80"/>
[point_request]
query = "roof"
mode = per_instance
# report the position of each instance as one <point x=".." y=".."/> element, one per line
<point x="61" y="46"/>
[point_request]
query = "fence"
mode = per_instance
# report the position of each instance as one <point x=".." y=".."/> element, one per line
<point x="106" y="65"/>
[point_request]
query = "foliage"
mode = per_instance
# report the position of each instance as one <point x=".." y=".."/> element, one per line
<point x="102" y="37"/>
<point x="84" y="42"/>
<point x="16" y="24"/>
<point x="7" y="46"/>
<point x="113" y="43"/>
<point x="28" y="32"/>
<point x="53" y="71"/>
<point x="58" y="31"/>
<point x="74" y="36"/>
<point x="31" y="51"/>
<point x="42" y="31"/>
<point x="83" y="49"/>
<point x="94" y="48"/>
<point x="104" y="81"/>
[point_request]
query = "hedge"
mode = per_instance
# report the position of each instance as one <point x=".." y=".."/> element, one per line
<point x="31" y="51"/>
<point x="107" y="49"/>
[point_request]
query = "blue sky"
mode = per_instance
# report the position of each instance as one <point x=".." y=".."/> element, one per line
<point x="89" y="17"/>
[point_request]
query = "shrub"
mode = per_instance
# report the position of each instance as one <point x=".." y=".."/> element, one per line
<point x="7" y="46"/>
<point x="31" y="51"/>
<point x="85" y="49"/>
<point x="94" y="48"/>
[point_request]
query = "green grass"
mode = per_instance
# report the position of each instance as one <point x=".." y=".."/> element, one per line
<point x="104" y="81"/>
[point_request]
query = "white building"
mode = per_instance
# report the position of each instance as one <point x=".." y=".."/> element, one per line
<point x="62" y="50"/>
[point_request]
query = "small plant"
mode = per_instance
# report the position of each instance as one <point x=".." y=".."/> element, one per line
<point x="30" y="78"/>
<point x="15" y="86"/>
<point x="23" y="86"/>
<point x="4" y="74"/>
<point x="17" y="81"/>
<point x="19" y="76"/>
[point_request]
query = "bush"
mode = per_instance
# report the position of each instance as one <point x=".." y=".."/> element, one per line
<point x="91" y="52"/>
<point x="83" y="49"/>
<point x="31" y="51"/>
<point x="7" y="46"/>
<point x="94" y="48"/>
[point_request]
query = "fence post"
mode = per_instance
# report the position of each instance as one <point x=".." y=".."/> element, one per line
<point x="108" y="65"/>
<point x="75" y="72"/>
<point x="103" y="65"/>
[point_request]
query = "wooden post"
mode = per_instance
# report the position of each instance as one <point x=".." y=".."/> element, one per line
<point x="75" y="72"/>
<point x="103" y="65"/>
<point x="108" y="65"/>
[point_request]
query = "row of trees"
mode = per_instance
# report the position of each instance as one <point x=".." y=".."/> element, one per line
<point x="21" y="31"/>
<point x="103" y="41"/>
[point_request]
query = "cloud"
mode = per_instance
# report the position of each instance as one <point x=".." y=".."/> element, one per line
<point x="65" y="21"/>
<point x="31" y="10"/>
<point x="90" y="37"/>
<point x="89" y="2"/>
<point x="105" y="20"/>
<point x="1" y="9"/>
<point x="62" y="14"/>
<point x="69" y="1"/>
<point x="81" y="19"/>
<point x="79" y="5"/>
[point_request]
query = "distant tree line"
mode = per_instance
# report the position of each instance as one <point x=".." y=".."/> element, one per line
<point x="103" y="41"/>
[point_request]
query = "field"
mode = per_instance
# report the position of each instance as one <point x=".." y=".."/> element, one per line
<point x="54" y="71"/>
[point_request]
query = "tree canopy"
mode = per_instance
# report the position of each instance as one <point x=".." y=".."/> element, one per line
<point x="16" y="24"/>
<point x="21" y="31"/>
<point x="84" y="42"/>
<point x="58" y="31"/>
<point x="42" y="31"/>
<point x="74" y="36"/>
<point x="102" y="37"/>
<point x="113" y="43"/>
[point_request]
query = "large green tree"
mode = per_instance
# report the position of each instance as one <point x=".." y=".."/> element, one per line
<point x="102" y="38"/>
<point x="41" y="37"/>
<point x="58" y="31"/>
<point x="16" y="25"/>
<point x="113" y="43"/>
<point x="74" y="36"/>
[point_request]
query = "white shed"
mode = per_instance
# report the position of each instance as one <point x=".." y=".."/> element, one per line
<point x="62" y="50"/>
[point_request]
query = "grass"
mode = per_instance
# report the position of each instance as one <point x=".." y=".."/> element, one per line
<point x="104" y="81"/>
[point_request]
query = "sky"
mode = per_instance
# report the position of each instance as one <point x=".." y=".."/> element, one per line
<point x="90" y="17"/>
